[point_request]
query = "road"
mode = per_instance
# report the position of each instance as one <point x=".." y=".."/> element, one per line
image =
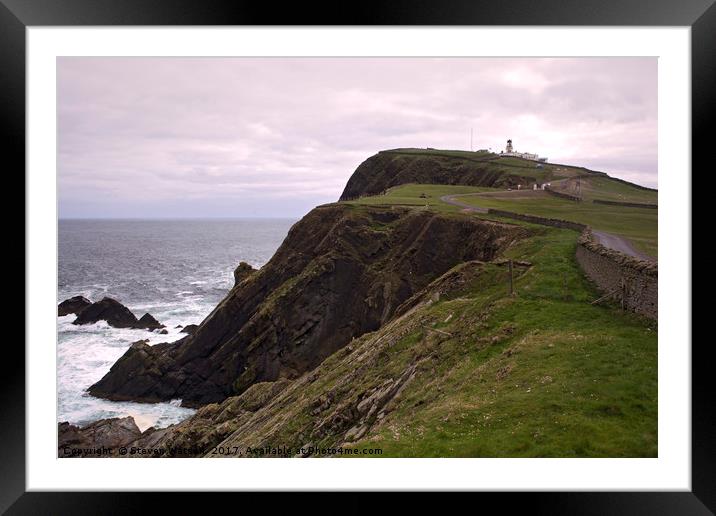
<point x="620" y="244"/>
<point x="609" y="240"/>
<point x="450" y="199"/>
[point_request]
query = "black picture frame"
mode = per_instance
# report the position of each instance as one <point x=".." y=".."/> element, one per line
<point x="17" y="15"/>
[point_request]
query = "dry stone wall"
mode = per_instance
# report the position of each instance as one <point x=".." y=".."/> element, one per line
<point x="562" y="195"/>
<point x="557" y="223"/>
<point x="634" y="283"/>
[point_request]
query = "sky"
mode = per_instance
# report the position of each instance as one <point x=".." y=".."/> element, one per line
<point x="274" y="137"/>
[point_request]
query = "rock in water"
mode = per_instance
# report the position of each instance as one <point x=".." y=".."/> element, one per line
<point x="73" y="305"/>
<point x="190" y="329"/>
<point x="149" y="322"/>
<point x="243" y="271"/>
<point x="115" y="313"/>
<point x="107" y="433"/>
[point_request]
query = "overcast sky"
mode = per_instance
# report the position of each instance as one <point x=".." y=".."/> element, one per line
<point x="269" y="137"/>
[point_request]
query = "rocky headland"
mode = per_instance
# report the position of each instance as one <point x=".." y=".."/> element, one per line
<point x="367" y="315"/>
<point x="342" y="271"/>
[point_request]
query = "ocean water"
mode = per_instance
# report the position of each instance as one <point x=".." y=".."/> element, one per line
<point x="177" y="270"/>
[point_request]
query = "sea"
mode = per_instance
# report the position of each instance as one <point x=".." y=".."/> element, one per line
<point x="177" y="270"/>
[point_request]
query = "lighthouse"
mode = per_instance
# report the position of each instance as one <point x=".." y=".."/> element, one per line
<point x="509" y="146"/>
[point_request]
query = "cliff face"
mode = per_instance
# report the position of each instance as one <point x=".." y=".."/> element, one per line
<point x="342" y="271"/>
<point x="392" y="168"/>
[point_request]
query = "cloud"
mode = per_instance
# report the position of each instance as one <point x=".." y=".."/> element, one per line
<point x="275" y="136"/>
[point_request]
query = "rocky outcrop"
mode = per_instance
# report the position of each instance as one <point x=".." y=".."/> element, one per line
<point x="73" y="305"/>
<point x="190" y="329"/>
<point x="116" y="315"/>
<point x="243" y="271"/>
<point x="90" y="440"/>
<point x="149" y="322"/>
<point x="395" y="167"/>
<point x="342" y="271"/>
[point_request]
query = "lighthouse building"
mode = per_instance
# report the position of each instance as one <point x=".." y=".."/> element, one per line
<point x="510" y="151"/>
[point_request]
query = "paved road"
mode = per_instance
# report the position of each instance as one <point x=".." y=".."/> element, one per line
<point x="620" y="244"/>
<point x="609" y="240"/>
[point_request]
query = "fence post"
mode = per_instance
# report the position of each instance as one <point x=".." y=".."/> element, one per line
<point x="512" y="290"/>
<point x="625" y="292"/>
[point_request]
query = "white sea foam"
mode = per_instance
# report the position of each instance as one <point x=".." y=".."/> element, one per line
<point x="176" y="271"/>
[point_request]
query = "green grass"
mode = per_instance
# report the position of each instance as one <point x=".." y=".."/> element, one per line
<point x="542" y="374"/>
<point x="410" y="195"/>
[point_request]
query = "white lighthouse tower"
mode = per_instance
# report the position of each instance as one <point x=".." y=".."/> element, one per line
<point x="508" y="149"/>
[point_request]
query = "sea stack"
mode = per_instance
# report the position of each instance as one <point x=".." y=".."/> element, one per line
<point x="73" y="305"/>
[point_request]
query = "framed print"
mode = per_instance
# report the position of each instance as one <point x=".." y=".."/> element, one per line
<point x="421" y="238"/>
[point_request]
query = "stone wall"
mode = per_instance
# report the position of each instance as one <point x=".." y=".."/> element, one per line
<point x="557" y="223"/>
<point x="563" y="195"/>
<point x="629" y="204"/>
<point x="634" y="283"/>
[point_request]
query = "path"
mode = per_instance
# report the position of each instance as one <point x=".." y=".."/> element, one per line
<point x="609" y="240"/>
<point x="450" y="199"/>
<point x="620" y="244"/>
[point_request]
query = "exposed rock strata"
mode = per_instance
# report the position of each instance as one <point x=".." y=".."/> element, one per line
<point x="347" y="397"/>
<point x="243" y="271"/>
<point x="190" y="329"/>
<point x="341" y="272"/>
<point x="105" y="433"/>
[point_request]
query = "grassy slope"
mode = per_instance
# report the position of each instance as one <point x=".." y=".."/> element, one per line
<point x="540" y="374"/>
<point x="606" y="189"/>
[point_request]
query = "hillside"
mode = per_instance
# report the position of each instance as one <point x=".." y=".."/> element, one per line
<point x="464" y="370"/>
<point x="387" y="322"/>
<point x="402" y="166"/>
<point x="341" y="272"/>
